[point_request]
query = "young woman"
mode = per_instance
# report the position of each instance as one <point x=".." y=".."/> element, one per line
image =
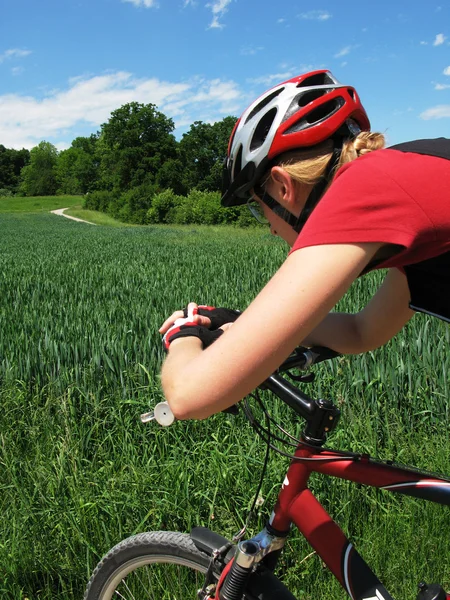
<point x="303" y="156"/>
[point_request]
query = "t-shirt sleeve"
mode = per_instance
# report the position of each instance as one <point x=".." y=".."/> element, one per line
<point x="363" y="204"/>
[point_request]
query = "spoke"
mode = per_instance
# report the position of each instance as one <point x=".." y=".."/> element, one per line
<point x="127" y="588"/>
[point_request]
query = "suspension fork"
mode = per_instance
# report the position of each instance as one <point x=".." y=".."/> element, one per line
<point x="249" y="553"/>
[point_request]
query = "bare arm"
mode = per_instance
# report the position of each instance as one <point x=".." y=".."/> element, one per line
<point x="382" y="318"/>
<point x="199" y="383"/>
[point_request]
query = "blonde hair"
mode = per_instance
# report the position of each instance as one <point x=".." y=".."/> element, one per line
<point x="308" y="166"/>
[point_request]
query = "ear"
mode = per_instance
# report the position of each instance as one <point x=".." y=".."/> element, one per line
<point x="284" y="184"/>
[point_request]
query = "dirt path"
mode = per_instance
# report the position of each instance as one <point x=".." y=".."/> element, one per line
<point x="60" y="211"/>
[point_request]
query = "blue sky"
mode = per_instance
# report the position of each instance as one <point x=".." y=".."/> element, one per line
<point x="66" y="64"/>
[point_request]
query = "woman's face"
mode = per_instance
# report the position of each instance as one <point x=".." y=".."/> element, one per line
<point x="277" y="225"/>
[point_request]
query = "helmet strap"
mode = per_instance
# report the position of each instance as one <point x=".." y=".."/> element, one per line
<point x="318" y="190"/>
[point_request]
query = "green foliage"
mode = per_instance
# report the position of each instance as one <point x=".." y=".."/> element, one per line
<point x="38" y="177"/>
<point x="199" y="207"/>
<point x="5" y="193"/>
<point x="206" y="208"/>
<point x="164" y="207"/>
<point x="99" y="200"/>
<point x="202" y="151"/>
<point x="135" y="143"/>
<point x="170" y="176"/>
<point x="76" y="168"/>
<point x="135" y="204"/>
<point x="11" y="163"/>
<point x="132" y="160"/>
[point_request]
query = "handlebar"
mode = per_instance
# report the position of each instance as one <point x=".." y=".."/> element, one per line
<point x="321" y="415"/>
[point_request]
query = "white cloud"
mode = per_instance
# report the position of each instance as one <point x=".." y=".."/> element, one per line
<point x="218" y="8"/>
<point x="316" y="15"/>
<point x="144" y="3"/>
<point x="439" y="39"/>
<point x="447" y="71"/>
<point x="251" y="50"/>
<point x="343" y="52"/>
<point x="281" y="20"/>
<point x="269" y="80"/>
<point x="14" y="53"/>
<point x="88" y="102"/>
<point x="424" y="43"/>
<point x="442" y="111"/>
<point x="442" y="86"/>
<point x="62" y="146"/>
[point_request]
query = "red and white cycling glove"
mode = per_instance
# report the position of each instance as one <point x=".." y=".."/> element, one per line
<point x="217" y="316"/>
<point x="185" y="326"/>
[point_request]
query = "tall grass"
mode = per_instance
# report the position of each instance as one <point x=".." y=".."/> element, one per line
<point x="79" y="361"/>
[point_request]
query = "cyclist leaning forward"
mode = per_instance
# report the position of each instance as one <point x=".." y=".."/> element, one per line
<point x="302" y="154"/>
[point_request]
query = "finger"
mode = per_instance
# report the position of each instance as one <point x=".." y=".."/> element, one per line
<point x="203" y="321"/>
<point x="192" y="310"/>
<point x="170" y="321"/>
<point x="226" y="326"/>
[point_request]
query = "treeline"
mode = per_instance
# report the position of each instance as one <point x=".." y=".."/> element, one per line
<point x="133" y="169"/>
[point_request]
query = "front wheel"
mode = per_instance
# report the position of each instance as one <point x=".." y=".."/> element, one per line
<point x="165" y="565"/>
<point x="159" y="565"/>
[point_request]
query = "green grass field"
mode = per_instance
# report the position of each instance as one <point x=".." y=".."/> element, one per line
<point x="94" y="216"/>
<point x="79" y="361"/>
<point x="37" y="204"/>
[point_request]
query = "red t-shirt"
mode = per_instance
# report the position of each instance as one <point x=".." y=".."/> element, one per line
<point x="386" y="196"/>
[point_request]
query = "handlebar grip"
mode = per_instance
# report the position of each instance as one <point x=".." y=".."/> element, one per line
<point x="322" y="353"/>
<point x="162" y="414"/>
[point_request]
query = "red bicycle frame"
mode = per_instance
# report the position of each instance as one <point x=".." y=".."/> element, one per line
<point x="296" y="504"/>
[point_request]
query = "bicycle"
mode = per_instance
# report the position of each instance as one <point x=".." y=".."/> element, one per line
<point x="147" y="565"/>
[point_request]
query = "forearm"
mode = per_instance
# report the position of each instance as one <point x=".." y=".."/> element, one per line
<point x="175" y="376"/>
<point x="338" y="331"/>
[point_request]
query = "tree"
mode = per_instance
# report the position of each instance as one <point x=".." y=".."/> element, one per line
<point x="170" y="176"/>
<point x="202" y="151"/>
<point x="38" y="178"/>
<point x="11" y="163"/>
<point x="77" y="167"/>
<point x="135" y="143"/>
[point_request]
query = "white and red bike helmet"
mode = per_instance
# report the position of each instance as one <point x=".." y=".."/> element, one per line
<point x="298" y="113"/>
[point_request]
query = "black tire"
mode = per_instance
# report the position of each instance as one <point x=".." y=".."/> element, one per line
<point x="161" y="565"/>
<point x="173" y="568"/>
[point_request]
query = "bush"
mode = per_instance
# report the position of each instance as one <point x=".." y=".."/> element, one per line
<point x="5" y="193"/>
<point x="163" y="208"/>
<point x="206" y="207"/>
<point x="136" y="203"/>
<point x="99" y="200"/>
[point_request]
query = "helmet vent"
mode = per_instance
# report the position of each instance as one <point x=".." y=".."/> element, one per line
<point x="324" y="78"/>
<point x="308" y="97"/>
<point x="262" y="129"/>
<point x="351" y="91"/>
<point x="264" y="102"/>
<point x="316" y="116"/>
<point x="302" y="100"/>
